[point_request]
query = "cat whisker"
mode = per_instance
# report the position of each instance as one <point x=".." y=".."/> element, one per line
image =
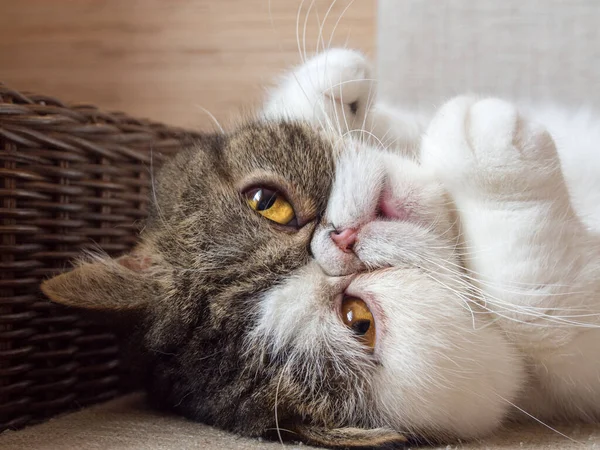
<point x="281" y="429"/>
<point x="320" y="38"/>
<point x="355" y="80"/>
<point x="300" y="7"/>
<point x="480" y="278"/>
<point x="370" y="99"/>
<point x="459" y="295"/>
<point x="183" y="398"/>
<point x="539" y="421"/>
<point x="319" y="25"/>
<point x="488" y="311"/>
<point x="156" y="204"/>
<point x="331" y="36"/>
<point x="364" y="132"/>
<point x="276" y="405"/>
<point x="312" y="3"/>
<point x="461" y="274"/>
<point x="342" y="104"/>
<point x="213" y="118"/>
<point x="334" y="130"/>
<point x="338" y="130"/>
<point x="500" y="305"/>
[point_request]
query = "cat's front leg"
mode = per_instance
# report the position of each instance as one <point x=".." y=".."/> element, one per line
<point x="524" y="244"/>
<point x="336" y="92"/>
<point x="532" y="261"/>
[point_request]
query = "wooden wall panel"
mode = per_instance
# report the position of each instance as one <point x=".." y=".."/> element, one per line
<point x="166" y="59"/>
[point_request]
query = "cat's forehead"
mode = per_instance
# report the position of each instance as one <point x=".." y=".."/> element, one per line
<point x="290" y="157"/>
<point x="292" y="154"/>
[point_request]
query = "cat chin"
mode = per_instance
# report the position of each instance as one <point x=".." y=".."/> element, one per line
<point x="445" y="370"/>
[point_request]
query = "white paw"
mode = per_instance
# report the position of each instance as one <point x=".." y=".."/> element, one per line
<point x="344" y="75"/>
<point x="487" y="146"/>
<point x="334" y="87"/>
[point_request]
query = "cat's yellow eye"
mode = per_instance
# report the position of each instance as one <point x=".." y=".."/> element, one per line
<point x="272" y="205"/>
<point x="357" y="316"/>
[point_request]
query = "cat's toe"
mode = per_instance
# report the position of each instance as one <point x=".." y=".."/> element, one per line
<point x="502" y="138"/>
<point x="489" y="145"/>
<point x="491" y="126"/>
<point x="515" y="157"/>
<point x="446" y="144"/>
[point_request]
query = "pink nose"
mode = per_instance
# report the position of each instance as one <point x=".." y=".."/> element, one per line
<point x="344" y="239"/>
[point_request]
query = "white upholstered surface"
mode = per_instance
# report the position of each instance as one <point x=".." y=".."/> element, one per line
<point x="429" y="50"/>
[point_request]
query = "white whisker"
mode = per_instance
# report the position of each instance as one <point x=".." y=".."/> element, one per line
<point x="276" y="405"/>
<point x="312" y="3"/>
<point x="214" y="119"/>
<point x="539" y="421"/>
<point x="320" y="38"/>
<point x="331" y="36"/>
<point x="300" y="53"/>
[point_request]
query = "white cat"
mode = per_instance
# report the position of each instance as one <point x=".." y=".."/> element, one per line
<point x="474" y="239"/>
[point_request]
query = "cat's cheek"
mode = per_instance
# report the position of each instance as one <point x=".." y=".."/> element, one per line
<point x="442" y="372"/>
<point x="382" y="244"/>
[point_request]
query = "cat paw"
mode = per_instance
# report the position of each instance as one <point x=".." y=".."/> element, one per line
<point x="487" y="146"/>
<point x="343" y="75"/>
<point x="334" y="87"/>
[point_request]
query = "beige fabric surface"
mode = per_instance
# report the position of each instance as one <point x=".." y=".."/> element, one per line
<point x="520" y="49"/>
<point x="128" y="424"/>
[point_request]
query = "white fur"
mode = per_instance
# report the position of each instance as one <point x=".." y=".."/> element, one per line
<point x="321" y="91"/>
<point x="486" y="284"/>
<point x="535" y="259"/>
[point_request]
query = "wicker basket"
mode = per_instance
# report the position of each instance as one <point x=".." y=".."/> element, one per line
<point x="71" y="177"/>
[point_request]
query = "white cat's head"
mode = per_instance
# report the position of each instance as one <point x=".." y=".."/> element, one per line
<point x="387" y="251"/>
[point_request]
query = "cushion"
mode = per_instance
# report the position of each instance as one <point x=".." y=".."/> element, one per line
<point x="128" y="423"/>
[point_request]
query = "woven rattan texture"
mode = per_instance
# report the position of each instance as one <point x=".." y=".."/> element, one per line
<point x="71" y="178"/>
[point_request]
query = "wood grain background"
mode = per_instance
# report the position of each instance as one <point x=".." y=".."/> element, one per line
<point x="167" y="59"/>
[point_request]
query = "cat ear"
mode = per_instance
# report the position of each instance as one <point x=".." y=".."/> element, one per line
<point x="104" y="284"/>
<point x="352" y="438"/>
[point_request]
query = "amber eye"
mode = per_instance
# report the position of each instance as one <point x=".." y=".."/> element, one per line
<point x="272" y="205"/>
<point x="357" y="316"/>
